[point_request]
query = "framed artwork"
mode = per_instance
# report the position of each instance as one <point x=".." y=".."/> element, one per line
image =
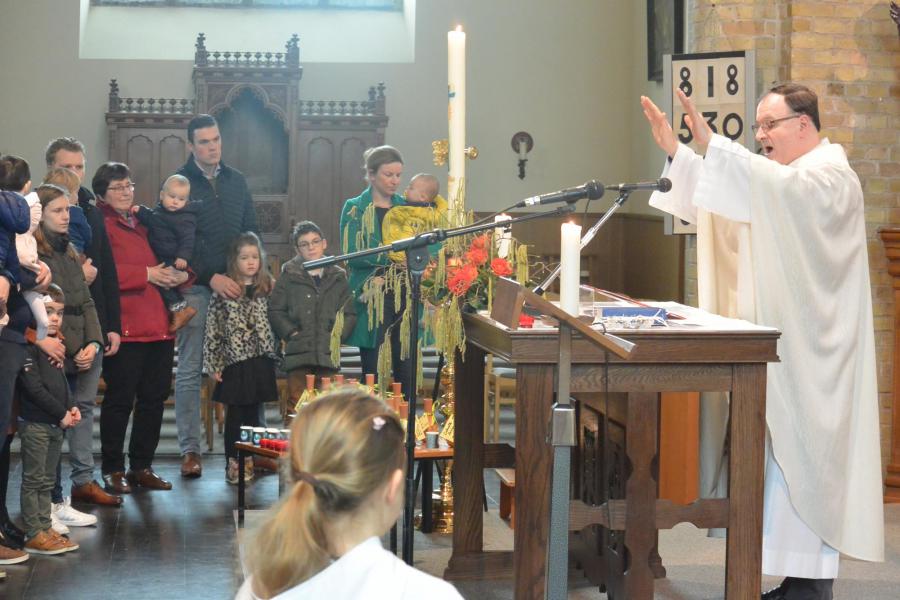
<point x="665" y="34"/>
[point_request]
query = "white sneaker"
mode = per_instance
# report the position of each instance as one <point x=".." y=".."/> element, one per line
<point x="67" y="515"/>
<point x="55" y="524"/>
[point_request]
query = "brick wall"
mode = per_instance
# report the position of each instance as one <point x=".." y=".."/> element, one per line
<point x="848" y="52"/>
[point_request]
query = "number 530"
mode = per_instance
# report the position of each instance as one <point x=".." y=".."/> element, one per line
<point x="732" y="126"/>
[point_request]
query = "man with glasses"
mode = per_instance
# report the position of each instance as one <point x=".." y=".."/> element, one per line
<point x="68" y="153"/>
<point x="305" y="307"/>
<point x="781" y="241"/>
<point x="226" y="210"/>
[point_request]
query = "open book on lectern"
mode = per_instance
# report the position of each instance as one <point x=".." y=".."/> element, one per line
<point x="510" y="297"/>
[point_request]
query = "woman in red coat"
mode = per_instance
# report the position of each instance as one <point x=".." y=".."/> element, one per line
<point x="140" y="373"/>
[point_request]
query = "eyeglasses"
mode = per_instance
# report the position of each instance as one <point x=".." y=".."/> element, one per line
<point x="770" y="123"/>
<point x="310" y="244"/>
<point x="121" y="189"/>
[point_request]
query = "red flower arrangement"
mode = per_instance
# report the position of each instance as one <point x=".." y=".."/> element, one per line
<point x="469" y="275"/>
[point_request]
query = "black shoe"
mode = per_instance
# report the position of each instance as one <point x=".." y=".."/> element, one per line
<point x="8" y="542"/>
<point x="777" y="593"/>
<point x="10" y="530"/>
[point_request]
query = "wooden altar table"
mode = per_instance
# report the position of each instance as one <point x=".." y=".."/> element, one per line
<point x="702" y="353"/>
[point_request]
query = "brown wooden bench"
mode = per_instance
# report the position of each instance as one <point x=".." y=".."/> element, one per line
<point x="507" y="495"/>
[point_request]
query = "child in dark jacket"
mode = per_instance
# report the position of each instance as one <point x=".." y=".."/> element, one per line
<point x="172" y="228"/>
<point x="46" y="409"/>
<point x="304" y="309"/>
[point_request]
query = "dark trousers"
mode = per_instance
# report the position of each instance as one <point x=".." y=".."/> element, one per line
<point x="235" y="416"/>
<point x="4" y="477"/>
<point x="139" y="376"/>
<point x="41" y="446"/>
<point x="12" y="357"/>
<point x="400" y="369"/>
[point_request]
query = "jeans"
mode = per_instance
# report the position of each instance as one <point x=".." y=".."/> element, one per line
<point x="189" y="375"/>
<point x="137" y="377"/>
<point x="81" y="437"/>
<point x="41" y="447"/>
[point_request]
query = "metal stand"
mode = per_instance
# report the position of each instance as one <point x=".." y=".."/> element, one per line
<point x="417" y="257"/>
<point x="585" y="239"/>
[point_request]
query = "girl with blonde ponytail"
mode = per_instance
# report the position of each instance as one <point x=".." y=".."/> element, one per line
<point x="322" y="539"/>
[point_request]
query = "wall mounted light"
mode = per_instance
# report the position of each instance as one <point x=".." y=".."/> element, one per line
<point x="522" y="143"/>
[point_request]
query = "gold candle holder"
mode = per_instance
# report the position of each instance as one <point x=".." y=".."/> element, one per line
<point x="443" y="522"/>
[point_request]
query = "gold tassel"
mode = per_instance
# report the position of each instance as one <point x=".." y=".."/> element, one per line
<point x="420" y="376"/>
<point x="336" y="332"/>
<point x="440" y="271"/>
<point x="404" y="334"/>
<point x="385" y="363"/>
<point x="522" y="264"/>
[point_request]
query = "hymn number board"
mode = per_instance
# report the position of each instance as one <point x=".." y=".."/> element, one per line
<point x="722" y="86"/>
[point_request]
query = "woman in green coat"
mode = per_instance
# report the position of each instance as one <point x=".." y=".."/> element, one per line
<point x="361" y="221"/>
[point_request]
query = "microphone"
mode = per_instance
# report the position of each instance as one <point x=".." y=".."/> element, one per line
<point x="662" y="185"/>
<point x="592" y="189"/>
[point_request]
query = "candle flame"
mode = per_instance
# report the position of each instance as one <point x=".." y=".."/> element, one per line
<point x="459" y="28"/>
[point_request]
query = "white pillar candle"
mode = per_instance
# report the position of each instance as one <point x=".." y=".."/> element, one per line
<point x="502" y="236"/>
<point x="456" y="113"/>
<point x="570" y="264"/>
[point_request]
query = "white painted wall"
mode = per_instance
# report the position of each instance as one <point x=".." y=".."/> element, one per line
<point x="568" y="72"/>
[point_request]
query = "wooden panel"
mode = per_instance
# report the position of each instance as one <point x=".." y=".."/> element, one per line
<point x="532" y="483"/>
<point x="745" y="481"/>
<point x="144" y="172"/>
<point x="679" y="446"/>
<point x="890" y="237"/>
<point x="318" y="183"/>
<point x="255" y="143"/>
<point x="173" y="153"/>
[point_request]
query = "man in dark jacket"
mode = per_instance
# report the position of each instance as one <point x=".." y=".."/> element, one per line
<point x="68" y="153"/>
<point x="226" y="211"/>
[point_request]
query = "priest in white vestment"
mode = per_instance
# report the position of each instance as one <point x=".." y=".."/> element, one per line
<point x="781" y="242"/>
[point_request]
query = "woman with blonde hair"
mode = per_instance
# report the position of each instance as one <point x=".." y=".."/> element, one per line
<point x="322" y="539"/>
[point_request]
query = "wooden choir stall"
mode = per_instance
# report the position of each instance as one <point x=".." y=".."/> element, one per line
<point x="302" y="158"/>
<point x="615" y="512"/>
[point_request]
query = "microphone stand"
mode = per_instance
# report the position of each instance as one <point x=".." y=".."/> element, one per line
<point x="585" y="239"/>
<point x="417" y="257"/>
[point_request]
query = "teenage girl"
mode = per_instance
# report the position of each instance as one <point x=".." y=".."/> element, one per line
<point x="239" y="348"/>
<point x="322" y="539"/>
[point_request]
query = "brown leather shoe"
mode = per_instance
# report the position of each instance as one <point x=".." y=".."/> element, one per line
<point x="116" y="483"/>
<point x="181" y="317"/>
<point x="191" y="465"/>
<point x="92" y="493"/>
<point x="147" y="478"/>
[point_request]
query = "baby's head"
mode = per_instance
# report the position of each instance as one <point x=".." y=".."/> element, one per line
<point x="175" y="193"/>
<point x="66" y="179"/>
<point x="423" y="189"/>
<point x="55" y="303"/>
<point x="15" y="175"/>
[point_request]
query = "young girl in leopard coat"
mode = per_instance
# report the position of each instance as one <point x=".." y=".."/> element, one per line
<point x="239" y="348"/>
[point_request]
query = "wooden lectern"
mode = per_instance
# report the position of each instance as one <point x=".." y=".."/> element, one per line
<point x="730" y="357"/>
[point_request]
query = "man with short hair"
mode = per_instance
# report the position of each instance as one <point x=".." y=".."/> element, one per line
<point x="226" y="210"/>
<point x="781" y="241"/>
<point x="68" y="153"/>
